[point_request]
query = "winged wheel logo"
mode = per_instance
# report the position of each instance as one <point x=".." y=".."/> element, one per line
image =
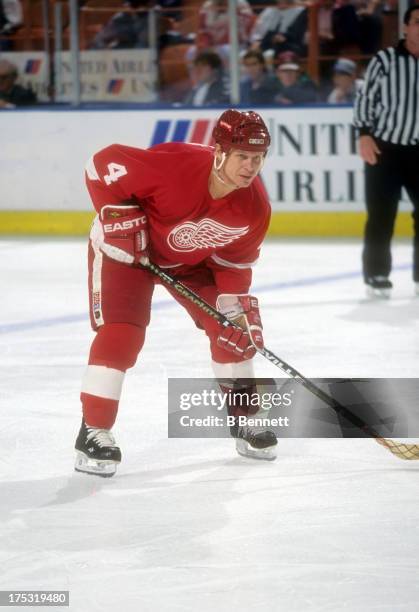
<point x="206" y="233"/>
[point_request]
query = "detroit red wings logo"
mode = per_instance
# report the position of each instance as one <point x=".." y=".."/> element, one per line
<point x="190" y="236"/>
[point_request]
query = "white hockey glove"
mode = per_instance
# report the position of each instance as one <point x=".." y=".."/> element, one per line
<point x="244" y="311"/>
<point x="125" y="235"/>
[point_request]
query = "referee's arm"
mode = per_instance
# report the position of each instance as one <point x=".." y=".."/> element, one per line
<point x="364" y="111"/>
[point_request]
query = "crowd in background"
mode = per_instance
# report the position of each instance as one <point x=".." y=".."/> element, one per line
<point x="273" y="45"/>
<point x="11" y="18"/>
<point x="273" y="41"/>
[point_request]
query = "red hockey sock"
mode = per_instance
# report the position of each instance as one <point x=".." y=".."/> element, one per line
<point x="114" y="350"/>
<point x="99" y="411"/>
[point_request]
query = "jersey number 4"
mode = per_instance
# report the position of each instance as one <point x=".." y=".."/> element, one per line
<point x="115" y="172"/>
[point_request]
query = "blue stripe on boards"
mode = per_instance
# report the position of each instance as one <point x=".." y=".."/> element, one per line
<point x="181" y="129"/>
<point x="160" y="132"/>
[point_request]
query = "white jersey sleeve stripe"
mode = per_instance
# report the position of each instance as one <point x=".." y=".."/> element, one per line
<point x="91" y="170"/>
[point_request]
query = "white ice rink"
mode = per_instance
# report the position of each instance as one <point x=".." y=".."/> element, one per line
<point x="187" y="525"/>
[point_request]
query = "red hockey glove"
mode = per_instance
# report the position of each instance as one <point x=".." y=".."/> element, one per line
<point x="125" y="235"/>
<point x="244" y="311"/>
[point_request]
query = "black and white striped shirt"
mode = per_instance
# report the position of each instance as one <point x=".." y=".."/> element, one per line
<point x="387" y="105"/>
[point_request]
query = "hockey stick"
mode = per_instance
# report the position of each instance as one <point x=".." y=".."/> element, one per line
<point x="400" y="449"/>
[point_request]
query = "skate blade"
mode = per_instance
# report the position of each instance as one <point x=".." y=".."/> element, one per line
<point x="245" y="450"/>
<point x="86" y="465"/>
<point x="378" y="294"/>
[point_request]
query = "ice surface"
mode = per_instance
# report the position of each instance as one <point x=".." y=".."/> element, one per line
<point x="188" y="525"/>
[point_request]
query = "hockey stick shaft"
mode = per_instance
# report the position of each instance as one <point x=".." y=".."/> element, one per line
<point x="339" y="408"/>
<point x="399" y="449"/>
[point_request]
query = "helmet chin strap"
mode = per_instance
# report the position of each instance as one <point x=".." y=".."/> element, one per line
<point x="217" y="168"/>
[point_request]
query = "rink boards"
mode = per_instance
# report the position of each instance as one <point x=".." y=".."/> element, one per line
<point x="313" y="174"/>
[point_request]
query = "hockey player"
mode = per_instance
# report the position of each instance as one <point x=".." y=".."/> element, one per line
<point x="200" y="212"/>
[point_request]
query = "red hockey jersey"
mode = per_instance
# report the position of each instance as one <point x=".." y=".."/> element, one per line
<point x="187" y="226"/>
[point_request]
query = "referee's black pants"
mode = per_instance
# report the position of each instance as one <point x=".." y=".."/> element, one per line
<point x="397" y="167"/>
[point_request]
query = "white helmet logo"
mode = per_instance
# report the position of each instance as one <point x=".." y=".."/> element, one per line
<point x="207" y="233"/>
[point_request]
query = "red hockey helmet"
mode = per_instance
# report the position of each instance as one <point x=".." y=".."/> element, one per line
<point x="238" y="130"/>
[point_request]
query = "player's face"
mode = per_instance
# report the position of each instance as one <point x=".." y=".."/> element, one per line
<point x="241" y="167"/>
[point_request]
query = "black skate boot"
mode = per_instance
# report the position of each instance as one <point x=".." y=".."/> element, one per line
<point x="97" y="452"/>
<point x="256" y="442"/>
<point x="378" y="287"/>
<point x="251" y="441"/>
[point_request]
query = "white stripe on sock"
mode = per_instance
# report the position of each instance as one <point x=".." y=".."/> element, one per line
<point x="242" y="369"/>
<point x="103" y="382"/>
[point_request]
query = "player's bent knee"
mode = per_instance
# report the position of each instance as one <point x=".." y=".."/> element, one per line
<point x="117" y="345"/>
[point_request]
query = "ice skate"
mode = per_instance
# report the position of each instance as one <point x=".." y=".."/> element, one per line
<point x="252" y="438"/>
<point x="256" y="442"/>
<point x="97" y="452"/>
<point x="378" y="287"/>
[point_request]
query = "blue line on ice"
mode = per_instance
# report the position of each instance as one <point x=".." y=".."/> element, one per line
<point x="8" y="328"/>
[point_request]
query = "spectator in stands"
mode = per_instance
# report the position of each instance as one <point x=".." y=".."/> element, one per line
<point x="168" y="7"/>
<point x="210" y="86"/>
<point x="327" y="43"/>
<point x="281" y="28"/>
<point x="127" y="29"/>
<point x="346" y="27"/>
<point x="214" y="26"/>
<point x="170" y="34"/>
<point x="258" y="86"/>
<point x="371" y="26"/>
<point x="11" y="15"/>
<point x="11" y="94"/>
<point x="11" y="18"/>
<point x="293" y="86"/>
<point x="169" y="24"/>
<point x="352" y="26"/>
<point x="346" y="85"/>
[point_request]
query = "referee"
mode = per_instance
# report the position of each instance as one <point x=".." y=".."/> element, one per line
<point x="387" y="115"/>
